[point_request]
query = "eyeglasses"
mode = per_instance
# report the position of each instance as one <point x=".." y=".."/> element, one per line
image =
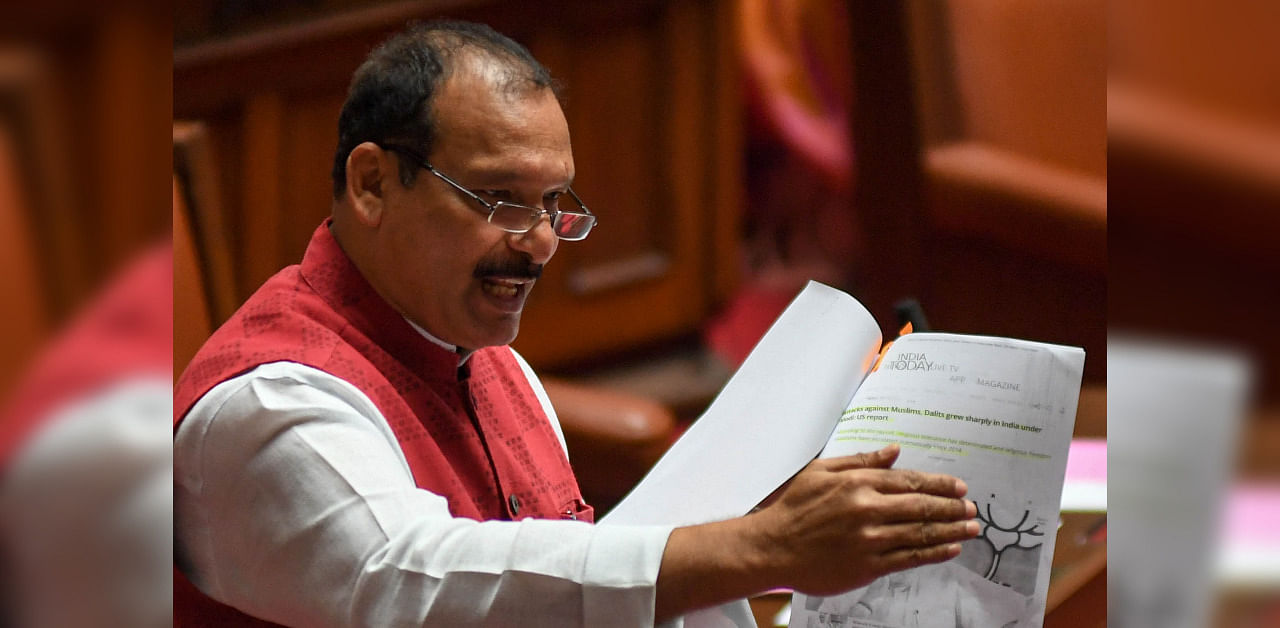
<point x="514" y="217"/>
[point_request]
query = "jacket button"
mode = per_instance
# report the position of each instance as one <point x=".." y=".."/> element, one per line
<point x="514" y="502"/>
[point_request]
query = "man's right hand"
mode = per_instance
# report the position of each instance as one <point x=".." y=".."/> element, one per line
<point x="837" y="525"/>
<point x="843" y="522"/>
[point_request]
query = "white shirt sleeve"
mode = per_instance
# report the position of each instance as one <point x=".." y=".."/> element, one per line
<point x="293" y="502"/>
<point x="86" y="509"/>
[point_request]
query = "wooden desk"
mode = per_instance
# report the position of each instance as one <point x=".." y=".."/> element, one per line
<point x="1078" y="580"/>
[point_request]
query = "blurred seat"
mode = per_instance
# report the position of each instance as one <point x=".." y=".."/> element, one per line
<point x="1011" y="101"/>
<point x="980" y="131"/>
<point x="613" y="437"/>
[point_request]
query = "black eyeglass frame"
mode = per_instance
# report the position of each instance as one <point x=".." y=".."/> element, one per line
<point x="535" y="213"/>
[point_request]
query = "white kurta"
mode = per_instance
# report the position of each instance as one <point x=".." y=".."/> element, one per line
<point x="294" y="502"/>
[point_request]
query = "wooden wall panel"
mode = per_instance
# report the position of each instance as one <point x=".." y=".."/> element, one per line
<point x="129" y="88"/>
<point x="21" y="286"/>
<point x="192" y="312"/>
<point x="725" y="192"/>
<point x="310" y="134"/>
<point x="261" y="197"/>
<point x="87" y="103"/>
<point x="649" y="275"/>
<point x="622" y="77"/>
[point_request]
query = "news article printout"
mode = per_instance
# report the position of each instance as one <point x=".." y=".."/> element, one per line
<point x="996" y="412"/>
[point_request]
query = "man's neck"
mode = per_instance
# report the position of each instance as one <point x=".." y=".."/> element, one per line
<point x="463" y="354"/>
<point x="353" y="253"/>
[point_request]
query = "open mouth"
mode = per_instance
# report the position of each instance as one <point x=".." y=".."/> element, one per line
<point x="504" y="288"/>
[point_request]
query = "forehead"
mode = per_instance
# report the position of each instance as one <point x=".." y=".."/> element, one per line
<point x="482" y="116"/>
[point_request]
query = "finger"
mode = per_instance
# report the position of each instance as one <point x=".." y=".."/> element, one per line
<point x="906" y="558"/>
<point x="924" y="534"/>
<point x="914" y="507"/>
<point x="911" y="481"/>
<point x="879" y="459"/>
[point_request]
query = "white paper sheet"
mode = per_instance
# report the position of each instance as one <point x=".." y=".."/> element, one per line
<point x="769" y="421"/>
<point x="998" y="413"/>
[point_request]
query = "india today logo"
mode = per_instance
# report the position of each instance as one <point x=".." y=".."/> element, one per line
<point x="908" y="361"/>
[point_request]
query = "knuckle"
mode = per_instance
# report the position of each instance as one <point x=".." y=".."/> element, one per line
<point x="927" y="509"/>
<point x="914" y="482"/>
<point x="864" y="500"/>
<point x="853" y="482"/>
<point x="937" y="484"/>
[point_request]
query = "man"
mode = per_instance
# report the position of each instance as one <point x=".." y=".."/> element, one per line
<point x="358" y="446"/>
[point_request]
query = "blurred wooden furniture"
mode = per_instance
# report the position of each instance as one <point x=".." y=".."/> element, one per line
<point x="980" y="132"/>
<point x="39" y="284"/>
<point x="196" y="176"/>
<point x="85" y="103"/>
<point x="651" y="102"/>
<point x="613" y="437"/>
<point x="191" y="311"/>
<point x="24" y="285"/>
<point x="21" y="288"/>
<point x="1078" y="580"/>
<point x="1194" y="134"/>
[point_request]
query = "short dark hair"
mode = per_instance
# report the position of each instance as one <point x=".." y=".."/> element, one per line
<point x="391" y="92"/>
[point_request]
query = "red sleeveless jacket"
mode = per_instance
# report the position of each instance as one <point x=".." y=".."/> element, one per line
<point x="476" y="435"/>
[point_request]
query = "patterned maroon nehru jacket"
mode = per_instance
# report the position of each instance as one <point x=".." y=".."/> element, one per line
<point x="476" y="435"/>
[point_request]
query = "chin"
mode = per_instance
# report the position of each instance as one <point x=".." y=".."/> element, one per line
<point x="494" y="337"/>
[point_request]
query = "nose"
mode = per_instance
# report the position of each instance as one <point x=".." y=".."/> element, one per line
<point x="539" y="243"/>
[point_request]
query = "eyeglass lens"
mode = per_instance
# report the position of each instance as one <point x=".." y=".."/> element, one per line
<point x="569" y="226"/>
<point x="573" y="226"/>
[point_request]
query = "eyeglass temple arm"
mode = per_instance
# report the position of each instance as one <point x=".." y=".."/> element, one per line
<point x="581" y="204"/>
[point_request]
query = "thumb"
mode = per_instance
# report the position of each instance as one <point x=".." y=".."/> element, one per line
<point x="880" y="459"/>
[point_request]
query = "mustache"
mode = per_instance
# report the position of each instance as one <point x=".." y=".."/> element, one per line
<point x="515" y="268"/>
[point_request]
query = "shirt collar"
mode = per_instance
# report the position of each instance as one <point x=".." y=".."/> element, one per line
<point x="463" y="354"/>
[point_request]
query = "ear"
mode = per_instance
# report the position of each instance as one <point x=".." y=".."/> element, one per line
<point x="369" y="170"/>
